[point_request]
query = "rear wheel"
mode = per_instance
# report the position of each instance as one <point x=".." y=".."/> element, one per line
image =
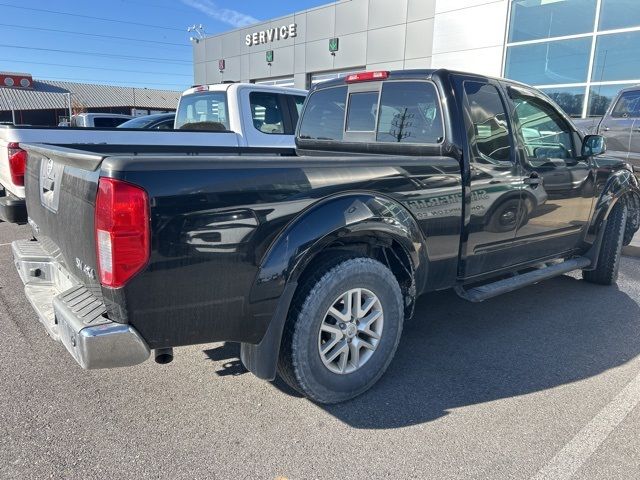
<point x="342" y="331"/>
<point x="606" y="272"/>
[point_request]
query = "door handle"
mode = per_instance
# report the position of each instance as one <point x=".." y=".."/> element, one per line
<point x="534" y="180"/>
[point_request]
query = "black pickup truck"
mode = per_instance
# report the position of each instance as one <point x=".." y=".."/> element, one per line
<point x="403" y="183"/>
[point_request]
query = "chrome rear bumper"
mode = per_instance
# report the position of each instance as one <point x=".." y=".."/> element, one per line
<point x="72" y="315"/>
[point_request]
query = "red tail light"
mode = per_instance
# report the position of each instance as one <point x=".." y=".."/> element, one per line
<point x="17" y="163"/>
<point x="367" y="76"/>
<point x="121" y="231"/>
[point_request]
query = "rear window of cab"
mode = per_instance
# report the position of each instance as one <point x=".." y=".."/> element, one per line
<point x="400" y="112"/>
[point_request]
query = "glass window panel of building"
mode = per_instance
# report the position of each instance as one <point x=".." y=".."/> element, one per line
<point x="536" y="19"/>
<point x="616" y="57"/>
<point x="619" y="14"/>
<point x="548" y="63"/>
<point x="564" y="62"/>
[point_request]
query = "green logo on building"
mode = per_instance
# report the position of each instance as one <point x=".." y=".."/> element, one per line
<point x="269" y="56"/>
<point x="333" y="45"/>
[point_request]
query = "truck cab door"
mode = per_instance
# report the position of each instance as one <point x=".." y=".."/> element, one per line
<point x="618" y="123"/>
<point x="557" y="184"/>
<point x="495" y="204"/>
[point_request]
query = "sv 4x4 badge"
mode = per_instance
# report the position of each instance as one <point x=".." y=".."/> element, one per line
<point x="85" y="269"/>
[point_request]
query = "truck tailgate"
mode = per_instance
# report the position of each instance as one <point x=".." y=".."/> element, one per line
<point x="59" y="270"/>
<point x="60" y="196"/>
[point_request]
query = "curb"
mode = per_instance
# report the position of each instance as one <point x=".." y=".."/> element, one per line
<point x="631" y="250"/>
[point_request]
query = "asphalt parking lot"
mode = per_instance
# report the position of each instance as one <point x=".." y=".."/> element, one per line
<point x="540" y="383"/>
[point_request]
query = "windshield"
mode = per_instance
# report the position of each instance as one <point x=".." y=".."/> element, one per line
<point x="203" y="111"/>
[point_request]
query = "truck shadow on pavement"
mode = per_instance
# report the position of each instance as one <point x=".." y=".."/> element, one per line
<point x="454" y="353"/>
<point x="229" y="353"/>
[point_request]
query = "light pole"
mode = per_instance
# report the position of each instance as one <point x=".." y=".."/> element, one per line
<point x="198" y="30"/>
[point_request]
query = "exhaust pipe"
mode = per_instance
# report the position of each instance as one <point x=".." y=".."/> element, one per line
<point x="164" y="355"/>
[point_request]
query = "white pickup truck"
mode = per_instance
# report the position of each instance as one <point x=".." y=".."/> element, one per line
<point x="258" y="117"/>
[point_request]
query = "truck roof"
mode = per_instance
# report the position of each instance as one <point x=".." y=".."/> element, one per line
<point x="632" y="88"/>
<point x="232" y="87"/>
<point x="416" y="74"/>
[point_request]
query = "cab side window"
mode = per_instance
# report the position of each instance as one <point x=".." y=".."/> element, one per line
<point x="628" y="106"/>
<point x="544" y="133"/>
<point x="487" y="125"/>
<point x="266" y="112"/>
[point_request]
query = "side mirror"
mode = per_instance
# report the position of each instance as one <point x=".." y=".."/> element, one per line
<point x="593" y="145"/>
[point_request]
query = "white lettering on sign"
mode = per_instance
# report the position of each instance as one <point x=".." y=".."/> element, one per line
<point x="271" y="35"/>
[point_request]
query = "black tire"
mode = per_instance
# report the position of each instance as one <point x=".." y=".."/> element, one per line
<point x="300" y="364"/>
<point x="628" y="235"/>
<point x="606" y="272"/>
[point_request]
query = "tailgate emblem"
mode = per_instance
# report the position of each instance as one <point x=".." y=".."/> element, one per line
<point x="50" y="175"/>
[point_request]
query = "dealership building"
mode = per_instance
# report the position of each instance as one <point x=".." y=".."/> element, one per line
<point x="581" y="52"/>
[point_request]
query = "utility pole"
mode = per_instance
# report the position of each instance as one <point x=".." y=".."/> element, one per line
<point x="69" y="106"/>
<point x="13" y="112"/>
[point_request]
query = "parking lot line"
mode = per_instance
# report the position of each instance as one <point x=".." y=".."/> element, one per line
<point x="582" y="446"/>
<point x="4" y="244"/>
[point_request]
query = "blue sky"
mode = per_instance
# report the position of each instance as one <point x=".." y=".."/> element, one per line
<point x="153" y="49"/>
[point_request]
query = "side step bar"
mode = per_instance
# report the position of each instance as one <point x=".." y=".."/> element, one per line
<point x="490" y="290"/>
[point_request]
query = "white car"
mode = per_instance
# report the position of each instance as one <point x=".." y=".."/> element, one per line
<point x="98" y="120"/>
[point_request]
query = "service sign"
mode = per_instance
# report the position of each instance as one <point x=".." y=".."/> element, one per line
<point x="272" y="35"/>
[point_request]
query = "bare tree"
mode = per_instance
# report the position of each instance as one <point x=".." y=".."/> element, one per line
<point x="77" y="106"/>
